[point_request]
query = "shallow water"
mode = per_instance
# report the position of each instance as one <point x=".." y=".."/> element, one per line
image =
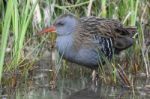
<point x="77" y="89"/>
<point x="38" y="86"/>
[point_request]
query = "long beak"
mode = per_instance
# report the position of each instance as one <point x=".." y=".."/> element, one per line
<point x="46" y="30"/>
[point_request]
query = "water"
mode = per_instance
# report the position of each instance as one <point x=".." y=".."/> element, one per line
<point x="70" y="85"/>
<point x="77" y="89"/>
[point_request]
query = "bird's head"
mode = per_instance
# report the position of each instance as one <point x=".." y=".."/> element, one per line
<point x="64" y="25"/>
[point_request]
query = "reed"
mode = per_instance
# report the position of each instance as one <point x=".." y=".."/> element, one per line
<point x="17" y="19"/>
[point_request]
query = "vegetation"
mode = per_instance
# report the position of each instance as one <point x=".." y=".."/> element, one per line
<point x="20" y="20"/>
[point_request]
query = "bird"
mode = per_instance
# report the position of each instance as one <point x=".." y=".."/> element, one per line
<point x="86" y="40"/>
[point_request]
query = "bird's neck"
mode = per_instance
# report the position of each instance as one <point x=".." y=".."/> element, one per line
<point x="64" y="45"/>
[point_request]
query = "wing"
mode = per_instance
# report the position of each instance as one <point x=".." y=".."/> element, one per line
<point x="93" y="28"/>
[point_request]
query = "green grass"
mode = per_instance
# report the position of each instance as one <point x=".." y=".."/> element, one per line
<point x="4" y="35"/>
<point x="20" y="23"/>
<point x="17" y="19"/>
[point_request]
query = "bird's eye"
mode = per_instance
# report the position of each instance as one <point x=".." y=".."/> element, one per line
<point x="60" y="23"/>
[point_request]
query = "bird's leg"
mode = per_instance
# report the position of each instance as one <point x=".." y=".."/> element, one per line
<point x="95" y="77"/>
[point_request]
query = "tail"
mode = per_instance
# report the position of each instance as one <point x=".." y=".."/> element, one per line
<point x="126" y="41"/>
<point x="123" y="43"/>
<point x="132" y="31"/>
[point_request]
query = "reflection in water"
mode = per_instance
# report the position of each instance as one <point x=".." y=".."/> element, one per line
<point x="108" y="92"/>
<point x="77" y="89"/>
<point x="104" y="91"/>
<point x="38" y="87"/>
<point x="86" y="93"/>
